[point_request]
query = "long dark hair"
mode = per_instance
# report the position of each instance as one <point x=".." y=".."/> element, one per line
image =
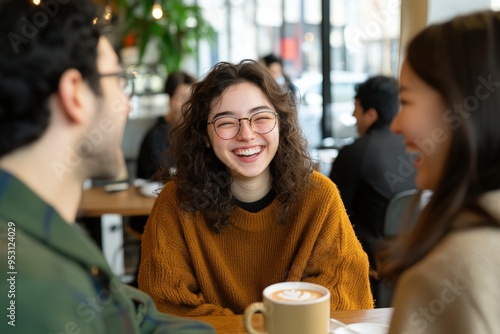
<point x="461" y="60"/>
<point x="202" y="179"/>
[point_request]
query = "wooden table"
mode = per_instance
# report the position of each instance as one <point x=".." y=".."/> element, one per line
<point x="111" y="207"/>
<point x="97" y="202"/>
<point x="233" y="324"/>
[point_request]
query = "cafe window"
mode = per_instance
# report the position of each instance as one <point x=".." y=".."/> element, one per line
<point x="364" y="36"/>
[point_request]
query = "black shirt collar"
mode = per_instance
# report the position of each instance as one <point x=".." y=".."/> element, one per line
<point x="259" y="204"/>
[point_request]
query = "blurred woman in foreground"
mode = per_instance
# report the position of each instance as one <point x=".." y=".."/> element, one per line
<point x="447" y="269"/>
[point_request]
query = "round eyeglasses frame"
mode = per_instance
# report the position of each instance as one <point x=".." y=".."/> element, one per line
<point x="249" y="119"/>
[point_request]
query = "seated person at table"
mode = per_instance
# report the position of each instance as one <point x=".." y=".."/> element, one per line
<point x="156" y="142"/>
<point x="447" y="269"/>
<point x="245" y="209"/>
<point x="370" y="171"/>
<point x="274" y="65"/>
<point x="60" y="89"/>
<point x="155" y="147"/>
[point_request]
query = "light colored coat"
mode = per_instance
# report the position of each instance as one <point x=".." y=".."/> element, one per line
<point x="456" y="287"/>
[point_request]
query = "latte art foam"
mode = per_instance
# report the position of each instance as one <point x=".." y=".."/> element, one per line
<point x="296" y="295"/>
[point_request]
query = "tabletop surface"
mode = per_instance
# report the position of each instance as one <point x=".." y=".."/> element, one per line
<point x="233" y="324"/>
<point x="130" y="202"/>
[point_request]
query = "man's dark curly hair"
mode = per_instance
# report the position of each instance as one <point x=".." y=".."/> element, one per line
<point x="203" y="180"/>
<point x="37" y="45"/>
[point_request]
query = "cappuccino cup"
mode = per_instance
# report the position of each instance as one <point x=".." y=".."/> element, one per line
<point x="292" y="308"/>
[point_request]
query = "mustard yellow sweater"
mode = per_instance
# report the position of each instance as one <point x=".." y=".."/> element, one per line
<point x="191" y="271"/>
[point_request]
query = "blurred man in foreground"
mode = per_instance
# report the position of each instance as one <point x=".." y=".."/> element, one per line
<point x="63" y="109"/>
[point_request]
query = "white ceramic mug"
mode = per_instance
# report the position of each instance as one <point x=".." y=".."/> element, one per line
<point x="292" y="308"/>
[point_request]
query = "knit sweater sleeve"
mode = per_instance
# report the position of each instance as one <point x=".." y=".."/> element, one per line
<point x="166" y="270"/>
<point x="337" y="260"/>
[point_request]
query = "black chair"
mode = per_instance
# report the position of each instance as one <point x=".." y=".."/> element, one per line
<point x="398" y="216"/>
<point x="396" y="209"/>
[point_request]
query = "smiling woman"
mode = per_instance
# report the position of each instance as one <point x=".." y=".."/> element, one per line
<point x="447" y="269"/>
<point x="245" y="209"/>
<point x="247" y="153"/>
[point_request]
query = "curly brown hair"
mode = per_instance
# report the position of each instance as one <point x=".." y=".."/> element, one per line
<point x="203" y="181"/>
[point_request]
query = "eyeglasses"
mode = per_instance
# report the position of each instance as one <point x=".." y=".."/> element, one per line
<point x="126" y="81"/>
<point x="227" y="127"/>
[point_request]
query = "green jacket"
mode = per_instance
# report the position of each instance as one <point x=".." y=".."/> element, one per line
<point x="54" y="280"/>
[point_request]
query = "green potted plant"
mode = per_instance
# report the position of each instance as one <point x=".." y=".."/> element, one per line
<point x="176" y="32"/>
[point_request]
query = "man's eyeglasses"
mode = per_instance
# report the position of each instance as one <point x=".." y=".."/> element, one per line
<point x="227" y="127"/>
<point x="126" y="81"/>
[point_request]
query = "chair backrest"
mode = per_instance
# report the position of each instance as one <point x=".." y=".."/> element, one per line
<point x="394" y="216"/>
<point x="396" y="211"/>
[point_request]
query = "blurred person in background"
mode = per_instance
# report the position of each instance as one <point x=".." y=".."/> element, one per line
<point x="368" y="172"/>
<point x="64" y="101"/>
<point x="275" y="66"/>
<point x="447" y="268"/>
<point x="156" y="142"/>
<point x="245" y="208"/>
<point x="155" y="153"/>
